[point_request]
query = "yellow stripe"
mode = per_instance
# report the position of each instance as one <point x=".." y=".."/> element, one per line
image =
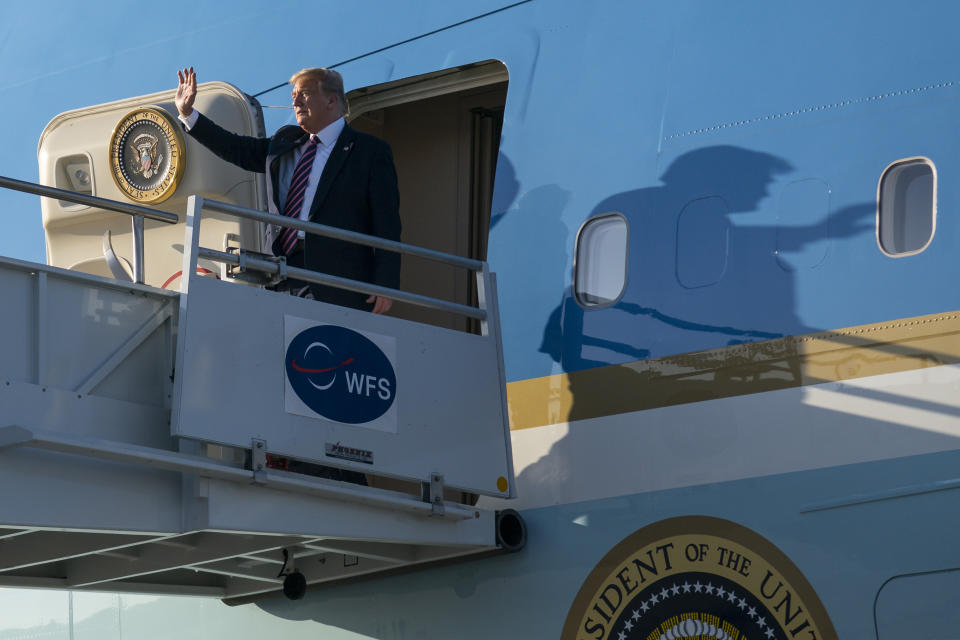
<point x="844" y="354"/>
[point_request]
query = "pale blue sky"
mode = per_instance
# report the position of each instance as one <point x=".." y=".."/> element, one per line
<point x="61" y="55"/>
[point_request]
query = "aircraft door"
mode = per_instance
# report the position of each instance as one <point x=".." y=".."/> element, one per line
<point x="135" y="151"/>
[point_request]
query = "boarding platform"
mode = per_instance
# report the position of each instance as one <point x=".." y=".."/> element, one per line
<point x="217" y="439"/>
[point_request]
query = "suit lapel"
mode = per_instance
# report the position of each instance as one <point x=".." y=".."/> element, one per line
<point x="338" y="156"/>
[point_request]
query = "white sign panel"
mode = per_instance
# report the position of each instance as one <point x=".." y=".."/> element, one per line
<point x="340" y="387"/>
<point x="340" y="375"/>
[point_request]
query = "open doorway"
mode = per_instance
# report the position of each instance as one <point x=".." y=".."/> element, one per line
<point x="444" y="129"/>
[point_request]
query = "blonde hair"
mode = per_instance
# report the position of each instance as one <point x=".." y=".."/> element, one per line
<point x="329" y="81"/>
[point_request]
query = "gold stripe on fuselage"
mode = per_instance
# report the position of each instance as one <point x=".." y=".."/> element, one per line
<point x="795" y="361"/>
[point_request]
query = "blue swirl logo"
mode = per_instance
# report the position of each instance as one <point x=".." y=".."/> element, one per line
<point x="340" y="374"/>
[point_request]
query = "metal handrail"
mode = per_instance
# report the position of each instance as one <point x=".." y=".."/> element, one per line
<point x="342" y="234"/>
<point x="136" y="213"/>
<point x="273" y="268"/>
<point x="93" y="201"/>
<point x="250" y="214"/>
<point x="258" y="262"/>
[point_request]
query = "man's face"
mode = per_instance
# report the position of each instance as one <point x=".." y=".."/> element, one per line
<point x="314" y="108"/>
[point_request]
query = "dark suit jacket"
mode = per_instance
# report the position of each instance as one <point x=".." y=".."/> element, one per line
<point x="357" y="191"/>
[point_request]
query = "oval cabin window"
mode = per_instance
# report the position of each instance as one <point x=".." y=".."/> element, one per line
<point x="600" y="266"/>
<point x="907" y="204"/>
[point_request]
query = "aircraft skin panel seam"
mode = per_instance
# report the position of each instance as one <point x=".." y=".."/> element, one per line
<point x="803" y="110"/>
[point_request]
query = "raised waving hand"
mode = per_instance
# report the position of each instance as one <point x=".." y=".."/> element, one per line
<point x="186" y="91"/>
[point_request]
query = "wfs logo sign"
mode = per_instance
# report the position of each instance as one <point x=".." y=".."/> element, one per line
<point x="339" y="374"/>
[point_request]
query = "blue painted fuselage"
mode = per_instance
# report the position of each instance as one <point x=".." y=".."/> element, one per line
<point x="743" y="143"/>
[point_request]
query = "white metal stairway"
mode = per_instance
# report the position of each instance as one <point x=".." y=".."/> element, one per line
<point x="140" y="428"/>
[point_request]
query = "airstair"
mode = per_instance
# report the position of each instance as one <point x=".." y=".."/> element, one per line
<point x="191" y="442"/>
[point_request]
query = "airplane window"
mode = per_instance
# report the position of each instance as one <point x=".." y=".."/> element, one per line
<point x="600" y="266"/>
<point x="907" y="204"/>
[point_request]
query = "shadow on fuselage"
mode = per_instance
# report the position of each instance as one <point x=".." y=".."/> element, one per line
<point x="722" y="332"/>
<point x="741" y="293"/>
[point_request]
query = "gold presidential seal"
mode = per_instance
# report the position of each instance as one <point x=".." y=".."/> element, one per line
<point x="146" y="155"/>
<point x="700" y="578"/>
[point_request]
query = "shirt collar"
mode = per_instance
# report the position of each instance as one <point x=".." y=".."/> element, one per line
<point x="329" y="134"/>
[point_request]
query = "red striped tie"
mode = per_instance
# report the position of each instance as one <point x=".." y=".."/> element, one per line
<point x="298" y="186"/>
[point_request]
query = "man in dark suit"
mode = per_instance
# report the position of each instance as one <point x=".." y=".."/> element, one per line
<point x="322" y="171"/>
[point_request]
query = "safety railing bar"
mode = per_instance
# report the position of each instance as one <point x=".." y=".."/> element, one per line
<point x="93" y="201"/>
<point x="272" y="268"/>
<point x="343" y="234"/>
<point x="13" y="436"/>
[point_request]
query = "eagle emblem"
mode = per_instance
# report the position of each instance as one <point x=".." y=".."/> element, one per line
<point x="146" y="155"/>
